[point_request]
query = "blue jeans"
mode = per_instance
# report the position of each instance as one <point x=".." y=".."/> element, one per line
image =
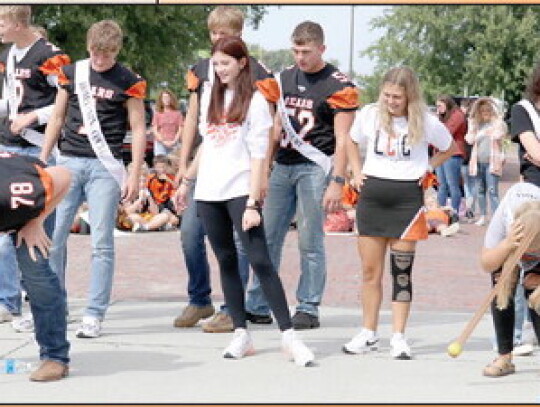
<point x="194" y="249"/>
<point x="10" y="286"/>
<point x="299" y="189"/>
<point x="469" y="188"/>
<point x="487" y="184"/>
<point x="161" y="149"/>
<point x="90" y="181"/>
<point x="193" y="246"/>
<point x="449" y="177"/>
<point x="47" y="301"/>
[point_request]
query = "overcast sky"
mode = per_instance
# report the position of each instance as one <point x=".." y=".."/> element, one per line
<point x="278" y="24"/>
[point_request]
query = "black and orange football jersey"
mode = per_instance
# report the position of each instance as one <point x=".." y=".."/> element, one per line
<point x="312" y="100"/>
<point x="34" y="92"/>
<point x="262" y="77"/>
<point x="25" y="187"/>
<point x="111" y="90"/>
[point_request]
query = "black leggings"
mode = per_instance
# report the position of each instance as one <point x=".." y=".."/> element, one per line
<point x="218" y="219"/>
<point x="503" y="320"/>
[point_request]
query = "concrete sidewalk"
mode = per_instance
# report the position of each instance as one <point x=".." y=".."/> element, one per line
<point x="141" y="358"/>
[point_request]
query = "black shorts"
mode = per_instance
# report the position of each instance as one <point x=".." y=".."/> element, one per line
<point x="392" y="209"/>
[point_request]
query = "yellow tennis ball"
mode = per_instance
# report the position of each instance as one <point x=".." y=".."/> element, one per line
<point x="454" y="349"/>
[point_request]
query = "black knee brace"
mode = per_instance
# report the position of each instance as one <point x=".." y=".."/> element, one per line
<point x="400" y="267"/>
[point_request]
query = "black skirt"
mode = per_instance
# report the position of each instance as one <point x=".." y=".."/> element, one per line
<point x="392" y="209"/>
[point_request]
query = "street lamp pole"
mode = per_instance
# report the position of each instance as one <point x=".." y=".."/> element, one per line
<point x="351" y="51"/>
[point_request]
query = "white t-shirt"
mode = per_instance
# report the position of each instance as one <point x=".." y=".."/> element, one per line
<point x="504" y="216"/>
<point x="393" y="157"/>
<point x="227" y="149"/>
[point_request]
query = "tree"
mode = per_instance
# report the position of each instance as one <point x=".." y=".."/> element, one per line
<point x="485" y="50"/>
<point x="160" y="42"/>
<point x="277" y="60"/>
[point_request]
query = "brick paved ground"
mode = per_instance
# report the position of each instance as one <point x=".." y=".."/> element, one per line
<point x="149" y="266"/>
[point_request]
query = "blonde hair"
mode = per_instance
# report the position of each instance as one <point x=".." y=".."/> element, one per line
<point x="528" y="214"/>
<point x="405" y="78"/>
<point x="226" y="17"/>
<point x="17" y="14"/>
<point x="307" y="32"/>
<point x="105" y="35"/>
<point x="474" y="113"/>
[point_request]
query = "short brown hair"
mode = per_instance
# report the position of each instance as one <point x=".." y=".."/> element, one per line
<point x="226" y="17"/>
<point x="307" y="32"/>
<point x="105" y="35"/>
<point x="18" y="14"/>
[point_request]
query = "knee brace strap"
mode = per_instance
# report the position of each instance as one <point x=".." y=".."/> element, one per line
<point x="400" y="267"/>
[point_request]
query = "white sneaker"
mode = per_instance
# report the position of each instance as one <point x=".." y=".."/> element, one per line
<point x="364" y="342"/>
<point x="525" y="349"/>
<point x="5" y="315"/>
<point x="240" y="346"/>
<point x="529" y="336"/>
<point x="24" y="323"/>
<point x="89" y="328"/>
<point x="481" y="221"/>
<point x="400" y="348"/>
<point x="297" y="351"/>
<point x="450" y="230"/>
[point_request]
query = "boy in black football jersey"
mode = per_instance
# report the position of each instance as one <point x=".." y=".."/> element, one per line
<point x="318" y="105"/>
<point x="28" y="193"/>
<point x="97" y="100"/>
<point x="222" y="21"/>
<point x="29" y="70"/>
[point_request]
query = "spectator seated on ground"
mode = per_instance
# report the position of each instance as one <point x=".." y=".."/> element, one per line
<point x="152" y="210"/>
<point x="437" y="217"/>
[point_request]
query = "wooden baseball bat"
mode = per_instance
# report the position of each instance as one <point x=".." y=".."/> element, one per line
<point x="456" y="347"/>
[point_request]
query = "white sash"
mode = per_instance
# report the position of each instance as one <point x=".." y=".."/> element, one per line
<point x="91" y="122"/>
<point x="527" y="105"/>
<point x="306" y="149"/>
<point x="10" y="88"/>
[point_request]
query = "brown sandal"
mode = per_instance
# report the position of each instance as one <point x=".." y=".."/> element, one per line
<point x="499" y="367"/>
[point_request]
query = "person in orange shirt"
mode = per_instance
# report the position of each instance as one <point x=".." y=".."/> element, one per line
<point x="437" y="217"/>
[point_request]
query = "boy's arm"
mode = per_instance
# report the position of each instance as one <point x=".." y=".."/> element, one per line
<point x="188" y="135"/>
<point x="56" y="121"/>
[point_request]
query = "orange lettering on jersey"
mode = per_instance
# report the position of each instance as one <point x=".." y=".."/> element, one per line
<point x="192" y="81"/>
<point x="301" y="103"/>
<point x="138" y="90"/>
<point x="346" y="98"/>
<point x="52" y="65"/>
<point x="269" y="88"/>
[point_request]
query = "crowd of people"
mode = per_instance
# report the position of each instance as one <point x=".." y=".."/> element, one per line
<point x="256" y="151"/>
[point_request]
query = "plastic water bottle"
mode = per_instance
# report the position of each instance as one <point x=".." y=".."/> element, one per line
<point x="13" y="366"/>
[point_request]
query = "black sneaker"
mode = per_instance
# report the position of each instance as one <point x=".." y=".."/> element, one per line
<point x="454" y="218"/>
<point x="258" y="319"/>
<point x="303" y="320"/>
